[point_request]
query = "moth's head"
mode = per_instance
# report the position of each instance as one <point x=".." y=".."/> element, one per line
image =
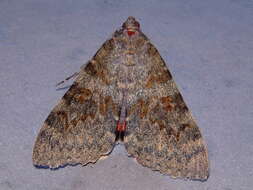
<point x="131" y="26"/>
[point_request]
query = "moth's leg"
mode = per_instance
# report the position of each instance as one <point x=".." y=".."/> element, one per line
<point x="65" y="80"/>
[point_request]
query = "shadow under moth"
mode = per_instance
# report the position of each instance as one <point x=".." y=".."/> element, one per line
<point x="125" y="92"/>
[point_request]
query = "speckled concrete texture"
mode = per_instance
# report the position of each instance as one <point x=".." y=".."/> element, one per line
<point x="208" y="46"/>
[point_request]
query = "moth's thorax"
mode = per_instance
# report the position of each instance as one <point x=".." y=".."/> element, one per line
<point x="130" y="64"/>
<point x="129" y="57"/>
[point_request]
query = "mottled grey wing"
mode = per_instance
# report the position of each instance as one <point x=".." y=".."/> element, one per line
<point x="80" y="128"/>
<point x="161" y="132"/>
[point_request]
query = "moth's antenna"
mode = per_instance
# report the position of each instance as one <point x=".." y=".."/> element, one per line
<point x="65" y="80"/>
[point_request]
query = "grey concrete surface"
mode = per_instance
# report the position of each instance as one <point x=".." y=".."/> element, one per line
<point x="208" y="46"/>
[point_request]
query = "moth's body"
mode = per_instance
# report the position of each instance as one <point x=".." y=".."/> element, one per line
<point x="124" y="90"/>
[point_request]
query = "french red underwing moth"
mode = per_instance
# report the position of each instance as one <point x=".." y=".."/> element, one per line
<point x="125" y="92"/>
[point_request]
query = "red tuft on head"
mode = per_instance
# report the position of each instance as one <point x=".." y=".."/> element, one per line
<point x="130" y="33"/>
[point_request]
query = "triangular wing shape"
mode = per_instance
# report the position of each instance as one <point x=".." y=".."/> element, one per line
<point x="80" y="128"/>
<point x="161" y="132"/>
<point x="126" y="89"/>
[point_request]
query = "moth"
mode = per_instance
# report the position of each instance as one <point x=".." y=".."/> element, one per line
<point x="124" y="93"/>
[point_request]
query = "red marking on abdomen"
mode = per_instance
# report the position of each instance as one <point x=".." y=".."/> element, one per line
<point x="121" y="127"/>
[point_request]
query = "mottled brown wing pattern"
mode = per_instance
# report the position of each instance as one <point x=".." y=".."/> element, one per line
<point x="127" y="90"/>
<point x="162" y="133"/>
<point x="80" y="129"/>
